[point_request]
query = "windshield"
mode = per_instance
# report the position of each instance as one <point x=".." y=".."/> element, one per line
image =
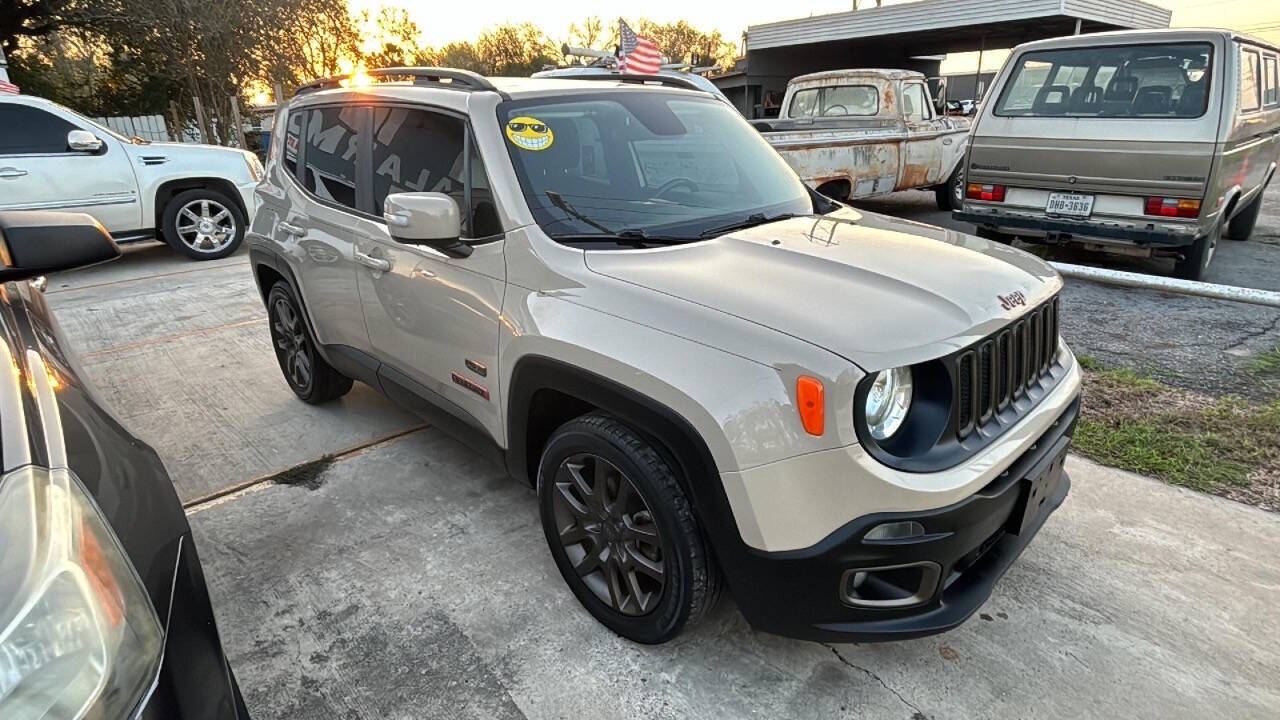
<point x="1148" y="81"/>
<point x="656" y="162"/>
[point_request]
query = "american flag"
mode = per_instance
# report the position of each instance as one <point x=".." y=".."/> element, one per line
<point x="639" y="54"/>
<point x="8" y="88"/>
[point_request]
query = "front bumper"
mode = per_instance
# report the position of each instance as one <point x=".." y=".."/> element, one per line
<point x="969" y="544"/>
<point x="1060" y="229"/>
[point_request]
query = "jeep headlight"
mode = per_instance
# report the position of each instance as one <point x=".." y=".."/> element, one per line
<point x="78" y="634"/>
<point x="888" y="400"/>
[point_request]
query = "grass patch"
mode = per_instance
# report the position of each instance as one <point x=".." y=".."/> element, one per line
<point x="1226" y="446"/>
<point x="1265" y="363"/>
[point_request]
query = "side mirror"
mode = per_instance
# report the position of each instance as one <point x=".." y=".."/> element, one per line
<point x="426" y="218"/>
<point x="83" y="141"/>
<point x="36" y="243"/>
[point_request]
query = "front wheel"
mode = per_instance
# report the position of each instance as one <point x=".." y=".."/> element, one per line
<point x="203" y="224"/>
<point x="950" y="195"/>
<point x="1197" y="256"/>
<point x="622" y="532"/>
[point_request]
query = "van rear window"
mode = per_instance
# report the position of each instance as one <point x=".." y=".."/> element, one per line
<point x="1121" y="81"/>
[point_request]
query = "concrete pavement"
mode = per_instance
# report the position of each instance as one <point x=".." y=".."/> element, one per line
<point x="413" y="581"/>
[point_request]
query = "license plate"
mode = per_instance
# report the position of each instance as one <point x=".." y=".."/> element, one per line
<point x="1072" y="204"/>
<point x="1041" y="488"/>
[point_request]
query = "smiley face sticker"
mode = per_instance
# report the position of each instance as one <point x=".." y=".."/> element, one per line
<point x="529" y="133"/>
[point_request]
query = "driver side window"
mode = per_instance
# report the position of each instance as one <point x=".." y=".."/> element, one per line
<point x="423" y="151"/>
<point x="31" y="131"/>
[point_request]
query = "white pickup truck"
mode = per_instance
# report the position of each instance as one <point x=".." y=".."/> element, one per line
<point x="197" y="198"/>
<point x="858" y="133"/>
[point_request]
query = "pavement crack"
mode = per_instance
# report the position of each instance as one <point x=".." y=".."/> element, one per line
<point x="1268" y="328"/>
<point x="917" y="713"/>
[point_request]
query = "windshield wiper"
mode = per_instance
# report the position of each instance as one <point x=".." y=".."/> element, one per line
<point x="633" y="236"/>
<point x="564" y="205"/>
<point x="750" y="221"/>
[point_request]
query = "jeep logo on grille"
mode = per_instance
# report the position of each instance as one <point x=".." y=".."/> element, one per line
<point x="1012" y="300"/>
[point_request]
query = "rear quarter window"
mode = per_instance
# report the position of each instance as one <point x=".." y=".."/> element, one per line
<point x="1250" y="81"/>
<point x="1271" y="96"/>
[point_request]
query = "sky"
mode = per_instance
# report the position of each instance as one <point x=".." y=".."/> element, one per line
<point x="443" y="22"/>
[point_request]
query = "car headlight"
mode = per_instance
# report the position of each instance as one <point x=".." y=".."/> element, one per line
<point x="255" y="166"/>
<point x="78" y="634"/>
<point x="888" y="401"/>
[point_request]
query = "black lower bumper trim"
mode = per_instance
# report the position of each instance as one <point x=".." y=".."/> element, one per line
<point x="1068" y="230"/>
<point x="798" y="594"/>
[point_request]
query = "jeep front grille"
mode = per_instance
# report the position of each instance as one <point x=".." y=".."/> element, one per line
<point x="999" y="369"/>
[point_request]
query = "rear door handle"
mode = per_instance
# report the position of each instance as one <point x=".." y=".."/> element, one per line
<point x="11" y="172"/>
<point x="372" y="262"/>
<point x="291" y="229"/>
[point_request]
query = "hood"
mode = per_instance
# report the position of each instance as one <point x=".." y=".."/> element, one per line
<point x="878" y="291"/>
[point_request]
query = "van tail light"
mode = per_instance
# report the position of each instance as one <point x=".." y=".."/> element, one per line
<point x="1172" y="207"/>
<point x="978" y="191"/>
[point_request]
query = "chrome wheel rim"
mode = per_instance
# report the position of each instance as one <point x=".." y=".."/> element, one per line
<point x="957" y="189"/>
<point x="608" y="534"/>
<point x="205" y="226"/>
<point x="293" y="350"/>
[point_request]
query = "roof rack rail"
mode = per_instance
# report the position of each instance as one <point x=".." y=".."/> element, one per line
<point x="638" y="79"/>
<point x="445" y="77"/>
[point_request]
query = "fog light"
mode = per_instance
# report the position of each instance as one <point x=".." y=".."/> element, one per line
<point x="895" y="531"/>
<point x="894" y="586"/>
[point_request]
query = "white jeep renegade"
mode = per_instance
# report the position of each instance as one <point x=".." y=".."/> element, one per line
<point x="711" y="375"/>
<point x="197" y="198"/>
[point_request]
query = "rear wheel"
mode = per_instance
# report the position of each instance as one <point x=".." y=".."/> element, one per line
<point x="1241" y="226"/>
<point x="1196" y="257"/>
<point x="309" y="376"/>
<point x="950" y="195"/>
<point x="622" y="532"/>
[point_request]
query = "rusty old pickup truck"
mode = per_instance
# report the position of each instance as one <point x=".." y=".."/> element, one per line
<point x="853" y="134"/>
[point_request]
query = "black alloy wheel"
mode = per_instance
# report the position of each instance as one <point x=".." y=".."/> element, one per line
<point x="309" y="376"/>
<point x="608" y="533"/>
<point x="293" y="348"/>
<point x="622" y="532"/>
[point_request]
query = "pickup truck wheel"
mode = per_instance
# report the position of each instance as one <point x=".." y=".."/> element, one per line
<point x="1197" y="256"/>
<point x="622" y="532"/>
<point x="203" y="224"/>
<point x="950" y="196"/>
<point x="1241" y="226"/>
<point x="309" y="376"/>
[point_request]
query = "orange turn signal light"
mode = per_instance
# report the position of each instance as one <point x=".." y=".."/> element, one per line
<point x="809" y="402"/>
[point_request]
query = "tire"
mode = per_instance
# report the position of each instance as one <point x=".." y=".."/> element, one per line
<point x="950" y="195"/>
<point x="649" y="524"/>
<point x="203" y="224"/>
<point x="1195" y="260"/>
<point x="1241" y="226"/>
<point x="312" y="379"/>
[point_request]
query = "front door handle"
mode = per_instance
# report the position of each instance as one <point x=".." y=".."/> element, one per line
<point x="291" y="229"/>
<point x="11" y="172"/>
<point x="373" y="263"/>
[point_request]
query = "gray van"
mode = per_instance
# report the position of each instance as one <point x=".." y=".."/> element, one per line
<point x="1152" y="143"/>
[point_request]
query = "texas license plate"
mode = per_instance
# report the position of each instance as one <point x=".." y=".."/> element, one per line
<point x="1041" y="488"/>
<point x="1073" y="204"/>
